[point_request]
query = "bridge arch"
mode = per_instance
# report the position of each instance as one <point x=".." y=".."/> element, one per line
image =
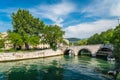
<point x="69" y="52"/>
<point x="104" y="51"/>
<point x="85" y="51"/>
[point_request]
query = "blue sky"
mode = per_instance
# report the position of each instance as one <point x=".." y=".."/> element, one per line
<point x="78" y="18"/>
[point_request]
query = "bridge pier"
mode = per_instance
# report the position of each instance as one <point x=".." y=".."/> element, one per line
<point x="93" y="54"/>
<point x="76" y="53"/>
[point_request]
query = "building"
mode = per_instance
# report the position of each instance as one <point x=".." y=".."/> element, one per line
<point x="8" y="44"/>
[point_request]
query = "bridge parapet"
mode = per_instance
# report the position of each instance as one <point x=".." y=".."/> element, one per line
<point x="91" y="48"/>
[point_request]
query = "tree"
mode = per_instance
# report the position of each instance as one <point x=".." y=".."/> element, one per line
<point x="82" y="42"/>
<point x="95" y="39"/>
<point x="53" y="35"/>
<point x="1" y="42"/>
<point x="106" y="36"/>
<point x="26" y="26"/>
<point x="103" y="38"/>
<point x="34" y="40"/>
<point x="15" y="39"/>
<point x="116" y="43"/>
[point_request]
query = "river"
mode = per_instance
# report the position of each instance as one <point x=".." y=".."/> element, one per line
<point x="56" y="68"/>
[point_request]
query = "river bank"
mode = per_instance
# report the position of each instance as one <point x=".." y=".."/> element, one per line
<point x="13" y="56"/>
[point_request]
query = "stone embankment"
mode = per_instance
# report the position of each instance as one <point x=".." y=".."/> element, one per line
<point x="28" y="55"/>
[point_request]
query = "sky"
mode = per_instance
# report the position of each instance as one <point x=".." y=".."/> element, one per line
<point x="78" y="18"/>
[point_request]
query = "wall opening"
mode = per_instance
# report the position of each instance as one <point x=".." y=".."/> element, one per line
<point x="66" y="52"/>
<point x="105" y="49"/>
<point x="69" y="52"/>
<point x="104" y="53"/>
<point x="84" y="52"/>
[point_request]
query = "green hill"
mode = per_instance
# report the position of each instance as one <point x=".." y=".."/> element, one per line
<point x="73" y="40"/>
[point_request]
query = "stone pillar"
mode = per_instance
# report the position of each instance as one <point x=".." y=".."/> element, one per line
<point x="93" y="54"/>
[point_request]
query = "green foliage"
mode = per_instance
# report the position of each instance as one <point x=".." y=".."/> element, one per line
<point x="82" y="42"/>
<point x="28" y="30"/>
<point x="106" y="36"/>
<point x="27" y="27"/>
<point x="110" y="36"/>
<point x="24" y="23"/>
<point x="53" y="35"/>
<point x="118" y="77"/>
<point x="34" y="40"/>
<point x="103" y="38"/>
<point x="116" y="42"/>
<point x="70" y="44"/>
<point x="1" y="41"/>
<point x="95" y="39"/>
<point x="15" y="39"/>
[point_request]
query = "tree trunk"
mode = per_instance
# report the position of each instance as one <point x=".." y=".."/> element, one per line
<point x="27" y="46"/>
<point x="15" y="47"/>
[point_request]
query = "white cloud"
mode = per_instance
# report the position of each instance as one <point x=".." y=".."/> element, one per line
<point x="85" y="30"/>
<point x="56" y="12"/>
<point x="103" y="8"/>
<point x="115" y="9"/>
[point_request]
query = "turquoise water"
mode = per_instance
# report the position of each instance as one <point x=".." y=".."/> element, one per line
<point x="56" y="68"/>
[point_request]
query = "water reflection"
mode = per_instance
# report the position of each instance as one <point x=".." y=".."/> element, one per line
<point x="32" y="72"/>
<point x="22" y="73"/>
<point x="56" y="68"/>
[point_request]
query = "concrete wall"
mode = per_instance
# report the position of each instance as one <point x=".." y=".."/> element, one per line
<point x="28" y="55"/>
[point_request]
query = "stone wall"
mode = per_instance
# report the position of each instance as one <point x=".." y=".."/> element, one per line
<point x="28" y="55"/>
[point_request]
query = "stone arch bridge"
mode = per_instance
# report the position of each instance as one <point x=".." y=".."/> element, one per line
<point x="93" y="49"/>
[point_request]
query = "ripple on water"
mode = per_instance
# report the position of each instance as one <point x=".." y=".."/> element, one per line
<point x="55" y="68"/>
